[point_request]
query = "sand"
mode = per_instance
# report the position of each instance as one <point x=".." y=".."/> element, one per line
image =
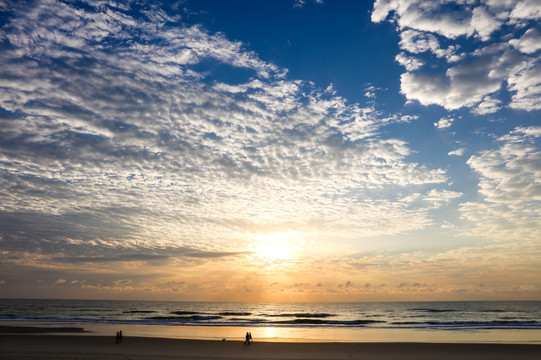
<point x="85" y="346"/>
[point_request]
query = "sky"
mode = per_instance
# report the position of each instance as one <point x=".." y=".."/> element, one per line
<point x="271" y="150"/>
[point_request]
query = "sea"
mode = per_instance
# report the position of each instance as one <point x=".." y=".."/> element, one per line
<point x="479" y="321"/>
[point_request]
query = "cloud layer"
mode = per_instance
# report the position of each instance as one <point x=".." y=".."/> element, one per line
<point x="503" y="34"/>
<point x="122" y="127"/>
<point x="510" y="184"/>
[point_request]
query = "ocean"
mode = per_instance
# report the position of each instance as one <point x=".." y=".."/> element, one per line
<point x="515" y="321"/>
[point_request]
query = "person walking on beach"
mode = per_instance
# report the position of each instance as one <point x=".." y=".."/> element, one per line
<point x="120" y="336"/>
<point x="247" y="341"/>
<point x="117" y="340"/>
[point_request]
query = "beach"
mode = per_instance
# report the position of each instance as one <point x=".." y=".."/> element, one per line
<point x="29" y="343"/>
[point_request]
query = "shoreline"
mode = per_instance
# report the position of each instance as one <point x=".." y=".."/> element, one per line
<point x="46" y="346"/>
<point x="16" y="329"/>
<point x="275" y="334"/>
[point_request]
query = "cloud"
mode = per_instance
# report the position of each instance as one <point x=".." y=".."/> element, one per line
<point x="122" y="143"/>
<point x="117" y="258"/>
<point x="409" y="62"/>
<point x="417" y="42"/>
<point x="300" y="3"/>
<point x="466" y="84"/>
<point x="370" y="91"/>
<point x="472" y="79"/>
<point x="529" y="43"/>
<point x="457" y="152"/>
<point x="520" y="133"/>
<point x="440" y="197"/>
<point x="510" y="184"/>
<point x="453" y="18"/>
<point x="450" y="273"/>
<point x="437" y="16"/>
<point x="525" y="86"/>
<point x="444" y="123"/>
<point x="489" y="105"/>
<point x="526" y="9"/>
<point x="484" y="23"/>
<point x="123" y="282"/>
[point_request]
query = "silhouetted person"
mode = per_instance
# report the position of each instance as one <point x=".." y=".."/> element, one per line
<point x="120" y="336"/>
<point x="250" y="337"/>
<point x="247" y="341"/>
<point x="117" y="340"/>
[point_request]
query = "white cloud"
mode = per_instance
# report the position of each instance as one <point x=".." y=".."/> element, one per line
<point x="529" y="43"/>
<point x="476" y="77"/>
<point x="409" y="62"/>
<point x="301" y="3"/>
<point x="444" y="123"/>
<point x="441" y="197"/>
<point x="483" y="23"/>
<point x="526" y="9"/>
<point x="139" y="147"/>
<point x="457" y="152"/>
<point x="520" y="133"/>
<point x="473" y="83"/>
<point x="448" y="225"/>
<point x="510" y="185"/>
<point x="489" y="105"/>
<point x="526" y="87"/>
<point x="426" y="88"/>
<point x="370" y="92"/>
<point x="433" y="16"/>
<point x="418" y="42"/>
<point x="382" y="8"/>
<point x="532" y="131"/>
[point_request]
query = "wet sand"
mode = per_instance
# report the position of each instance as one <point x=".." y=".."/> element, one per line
<point x="89" y="347"/>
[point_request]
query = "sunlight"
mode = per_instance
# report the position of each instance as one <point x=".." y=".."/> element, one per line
<point x="275" y="247"/>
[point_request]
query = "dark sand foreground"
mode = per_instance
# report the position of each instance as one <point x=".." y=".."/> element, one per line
<point x="31" y="346"/>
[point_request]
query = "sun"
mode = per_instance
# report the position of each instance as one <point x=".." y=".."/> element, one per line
<point x="275" y="247"/>
<point x="273" y="252"/>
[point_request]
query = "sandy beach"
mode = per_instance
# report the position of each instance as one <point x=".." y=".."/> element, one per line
<point x="29" y="345"/>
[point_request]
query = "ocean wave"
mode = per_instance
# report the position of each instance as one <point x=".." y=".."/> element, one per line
<point x="303" y="321"/>
<point x="495" y="324"/>
<point x="231" y="313"/>
<point x="302" y="315"/>
<point x="193" y="317"/>
<point x="214" y="320"/>
<point x="185" y="313"/>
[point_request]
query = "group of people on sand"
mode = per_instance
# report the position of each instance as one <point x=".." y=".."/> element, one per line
<point x="119" y="337"/>
<point x="248" y="338"/>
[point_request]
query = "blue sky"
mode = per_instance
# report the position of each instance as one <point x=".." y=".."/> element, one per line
<point x="314" y="150"/>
